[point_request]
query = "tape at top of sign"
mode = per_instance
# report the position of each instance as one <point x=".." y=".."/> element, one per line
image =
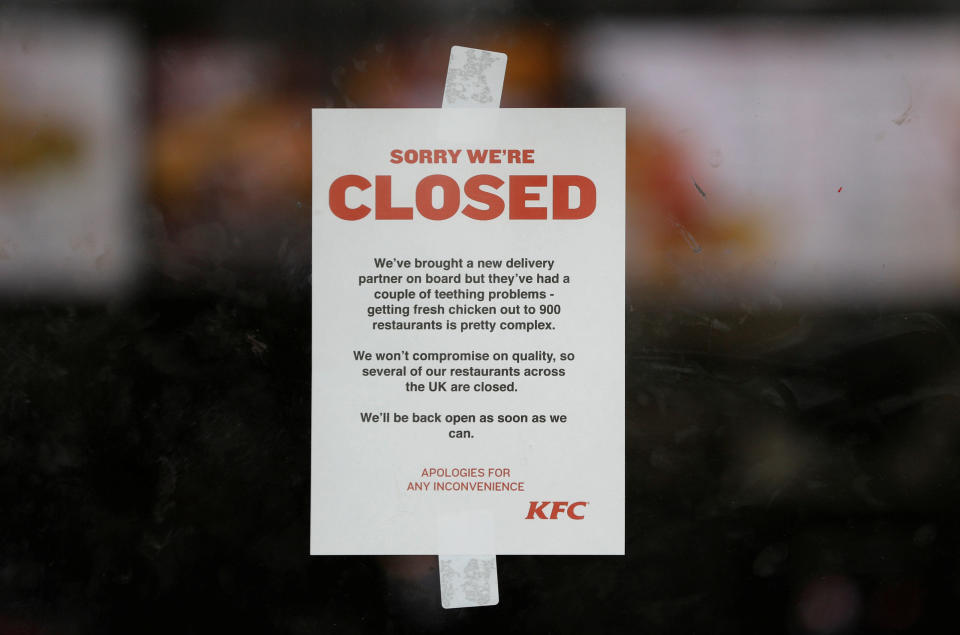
<point x="474" y="80"/>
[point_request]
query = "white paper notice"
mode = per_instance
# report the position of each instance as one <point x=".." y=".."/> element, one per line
<point x="468" y="325"/>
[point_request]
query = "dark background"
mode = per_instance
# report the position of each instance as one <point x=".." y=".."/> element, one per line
<point x="788" y="471"/>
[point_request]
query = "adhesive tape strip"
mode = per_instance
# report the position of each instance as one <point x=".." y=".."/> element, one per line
<point x="474" y="80"/>
<point x="469" y="578"/>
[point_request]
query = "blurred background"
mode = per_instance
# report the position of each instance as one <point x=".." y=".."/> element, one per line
<point x="793" y="265"/>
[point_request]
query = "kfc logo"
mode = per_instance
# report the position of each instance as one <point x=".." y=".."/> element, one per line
<point x="540" y="509"/>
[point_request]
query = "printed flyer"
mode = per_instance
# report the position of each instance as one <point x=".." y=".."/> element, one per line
<point x="468" y="331"/>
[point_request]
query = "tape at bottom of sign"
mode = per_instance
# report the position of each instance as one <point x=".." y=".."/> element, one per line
<point x="469" y="578"/>
<point x="468" y="581"/>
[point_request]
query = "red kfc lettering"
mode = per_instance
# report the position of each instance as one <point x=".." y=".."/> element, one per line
<point x="538" y="509"/>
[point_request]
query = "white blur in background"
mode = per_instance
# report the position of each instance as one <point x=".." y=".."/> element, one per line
<point x="825" y="157"/>
<point x="68" y="159"/>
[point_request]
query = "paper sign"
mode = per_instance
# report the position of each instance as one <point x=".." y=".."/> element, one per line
<point x="468" y="325"/>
